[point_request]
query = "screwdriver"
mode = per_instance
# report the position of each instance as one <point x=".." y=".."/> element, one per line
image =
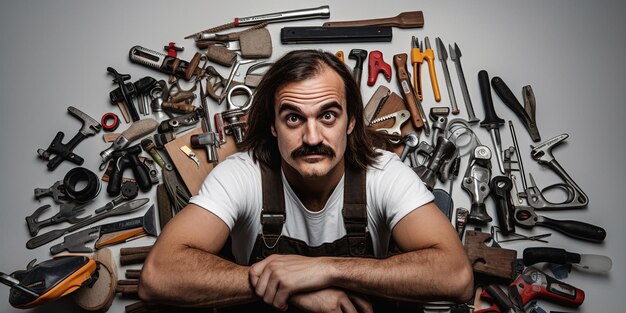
<point x="491" y="122"/>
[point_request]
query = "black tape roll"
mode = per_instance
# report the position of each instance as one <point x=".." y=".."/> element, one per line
<point x="76" y="175"/>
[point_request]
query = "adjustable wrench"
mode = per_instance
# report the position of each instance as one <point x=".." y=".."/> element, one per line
<point x="542" y="153"/>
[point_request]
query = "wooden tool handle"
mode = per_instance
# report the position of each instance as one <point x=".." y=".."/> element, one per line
<point x="412" y="19"/>
<point x="399" y="61"/>
<point x="135" y="250"/>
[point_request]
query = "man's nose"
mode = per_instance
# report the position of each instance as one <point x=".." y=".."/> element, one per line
<point x="312" y="134"/>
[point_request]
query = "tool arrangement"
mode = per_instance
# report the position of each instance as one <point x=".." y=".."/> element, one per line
<point x="172" y="140"/>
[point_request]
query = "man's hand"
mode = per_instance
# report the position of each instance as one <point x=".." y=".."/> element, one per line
<point x="331" y="300"/>
<point x="278" y="277"/>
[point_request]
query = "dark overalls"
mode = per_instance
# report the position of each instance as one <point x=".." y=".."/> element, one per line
<point x="356" y="243"/>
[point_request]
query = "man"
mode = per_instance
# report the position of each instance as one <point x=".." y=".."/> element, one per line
<point x="301" y="237"/>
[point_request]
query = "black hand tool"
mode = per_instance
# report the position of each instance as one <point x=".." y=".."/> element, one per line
<point x="526" y="217"/>
<point x="527" y="113"/>
<point x="123" y="159"/>
<point x="359" y="55"/>
<point x="591" y="263"/>
<point x="491" y="122"/>
<point x="126" y="92"/>
<point x="312" y="34"/>
<point x="501" y="187"/>
<point x="64" y="152"/>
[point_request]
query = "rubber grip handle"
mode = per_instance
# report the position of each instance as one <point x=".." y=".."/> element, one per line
<point x="576" y="229"/>
<point x="399" y="62"/>
<point x="491" y="118"/>
<point x="500" y="187"/>
<point x="140" y="128"/>
<point x="506" y="95"/>
<point x="141" y="173"/>
<point x="115" y="178"/>
<point x="550" y="255"/>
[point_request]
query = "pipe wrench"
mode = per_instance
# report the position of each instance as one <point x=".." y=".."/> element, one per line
<point x="542" y="153"/>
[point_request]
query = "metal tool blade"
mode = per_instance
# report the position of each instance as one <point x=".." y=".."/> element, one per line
<point x="594" y="263"/>
<point x="90" y="126"/>
<point x="76" y="242"/>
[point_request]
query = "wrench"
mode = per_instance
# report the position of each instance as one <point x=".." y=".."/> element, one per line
<point x="56" y="191"/>
<point x="526" y="217"/>
<point x="576" y="198"/>
<point x="411" y="140"/>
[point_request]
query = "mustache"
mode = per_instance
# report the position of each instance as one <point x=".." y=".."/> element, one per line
<point x="305" y="150"/>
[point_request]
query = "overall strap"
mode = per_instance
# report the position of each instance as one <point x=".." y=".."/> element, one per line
<point x="355" y="210"/>
<point x="273" y="211"/>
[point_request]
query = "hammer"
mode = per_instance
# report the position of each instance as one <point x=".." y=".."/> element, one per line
<point x="359" y="55"/>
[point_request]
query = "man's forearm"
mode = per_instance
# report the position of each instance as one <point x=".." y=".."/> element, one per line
<point x="424" y="275"/>
<point x="187" y="276"/>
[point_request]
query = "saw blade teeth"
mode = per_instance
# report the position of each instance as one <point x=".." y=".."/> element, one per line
<point x="382" y="119"/>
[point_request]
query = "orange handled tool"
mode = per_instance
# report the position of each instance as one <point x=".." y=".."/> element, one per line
<point x="417" y="58"/>
<point x="429" y="56"/>
<point x="418" y="118"/>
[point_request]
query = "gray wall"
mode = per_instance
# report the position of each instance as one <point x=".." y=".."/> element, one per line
<point x="55" y="54"/>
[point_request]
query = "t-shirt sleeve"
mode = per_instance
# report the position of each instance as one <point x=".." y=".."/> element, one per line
<point x="229" y="188"/>
<point x="398" y="190"/>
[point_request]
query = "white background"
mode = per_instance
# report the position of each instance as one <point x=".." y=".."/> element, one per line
<point x="55" y="54"/>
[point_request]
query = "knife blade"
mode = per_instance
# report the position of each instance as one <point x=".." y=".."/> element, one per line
<point x="591" y="263"/>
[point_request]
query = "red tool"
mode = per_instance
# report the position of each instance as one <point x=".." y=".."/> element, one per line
<point x="501" y="303"/>
<point x="377" y="65"/>
<point x="535" y="284"/>
<point x="172" y="49"/>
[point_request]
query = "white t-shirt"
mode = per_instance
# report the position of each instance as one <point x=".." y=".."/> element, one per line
<point x="232" y="191"/>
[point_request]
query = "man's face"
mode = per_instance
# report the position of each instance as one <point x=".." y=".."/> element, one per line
<point x="311" y="124"/>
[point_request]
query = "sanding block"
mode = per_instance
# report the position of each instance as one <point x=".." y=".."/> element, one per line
<point x="99" y="297"/>
<point x="256" y="44"/>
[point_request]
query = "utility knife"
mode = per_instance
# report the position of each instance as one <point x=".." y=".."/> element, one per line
<point x="591" y="263"/>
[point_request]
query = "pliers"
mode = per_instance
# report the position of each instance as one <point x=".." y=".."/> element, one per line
<point x="418" y="55"/>
<point x="525" y="113"/>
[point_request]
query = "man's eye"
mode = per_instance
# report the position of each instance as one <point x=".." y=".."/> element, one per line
<point x="329" y="117"/>
<point x="292" y="119"/>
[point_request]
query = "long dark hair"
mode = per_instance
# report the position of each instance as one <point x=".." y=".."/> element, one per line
<point x="300" y="65"/>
